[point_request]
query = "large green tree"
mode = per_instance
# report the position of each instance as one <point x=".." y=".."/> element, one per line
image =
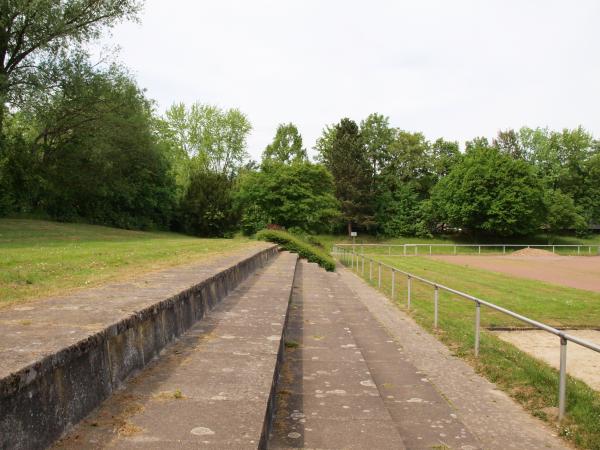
<point x="213" y="137"/>
<point x="299" y="194"/>
<point x="35" y="35"/>
<point x="286" y="146"/>
<point x="91" y="154"/>
<point x="341" y="149"/>
<point x="490" y="192"/>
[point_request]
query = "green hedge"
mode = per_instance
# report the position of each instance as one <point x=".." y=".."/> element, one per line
<point x="296" y="245"/>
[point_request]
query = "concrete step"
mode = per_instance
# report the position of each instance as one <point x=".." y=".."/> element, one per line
<point x="61" y="357"/>
<point x="327" y="397"/>
<point x="210" y="389"/>
<point x="422" y="415"/>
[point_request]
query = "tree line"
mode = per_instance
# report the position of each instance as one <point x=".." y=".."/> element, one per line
<point x="81" y="141"/>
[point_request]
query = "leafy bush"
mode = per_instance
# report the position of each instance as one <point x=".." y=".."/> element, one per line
<point x="296" y="245"/>
<point x="206" y="208"/>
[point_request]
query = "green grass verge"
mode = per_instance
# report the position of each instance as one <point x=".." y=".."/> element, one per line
<point x="531" y="382"/>
<point x="42" y="258"/>
<point x="294" y="244"/>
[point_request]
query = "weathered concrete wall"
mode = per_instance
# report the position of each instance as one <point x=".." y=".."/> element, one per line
<point x="40" y="401"/>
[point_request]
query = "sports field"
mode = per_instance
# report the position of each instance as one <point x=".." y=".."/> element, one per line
<point x="582" y="272"/>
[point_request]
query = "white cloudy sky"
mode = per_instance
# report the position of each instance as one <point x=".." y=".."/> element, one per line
<point x="456" y="69"/>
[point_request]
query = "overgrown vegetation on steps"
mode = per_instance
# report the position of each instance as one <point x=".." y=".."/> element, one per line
<point x="296" y="245"/>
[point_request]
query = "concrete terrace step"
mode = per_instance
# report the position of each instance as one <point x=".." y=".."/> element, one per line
<point x="210" y="389"/>
<point x="62" y="356"/>
<point x="327" y="397"/>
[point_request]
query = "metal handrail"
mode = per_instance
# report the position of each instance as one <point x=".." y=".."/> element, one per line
<point x="564" y="337"/>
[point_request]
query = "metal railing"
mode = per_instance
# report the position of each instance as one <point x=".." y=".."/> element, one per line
<point x="354" y="260"/>
<point x="414" y="249"/>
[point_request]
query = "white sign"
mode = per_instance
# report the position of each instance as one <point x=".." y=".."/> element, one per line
<point x="353" y="233"/>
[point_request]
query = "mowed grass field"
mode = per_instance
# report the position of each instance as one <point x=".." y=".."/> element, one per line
<point x="41" y="258"/>
<point x="531" y="382"/>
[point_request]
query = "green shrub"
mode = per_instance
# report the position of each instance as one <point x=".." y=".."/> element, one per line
<point x="296" y="245"/>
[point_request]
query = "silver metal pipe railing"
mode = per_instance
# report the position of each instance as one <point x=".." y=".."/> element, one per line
<point x="564" y="337"/>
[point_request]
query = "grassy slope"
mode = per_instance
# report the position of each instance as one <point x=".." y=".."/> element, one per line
<point x="41" y="258"/>
<point x="533" y="383"/>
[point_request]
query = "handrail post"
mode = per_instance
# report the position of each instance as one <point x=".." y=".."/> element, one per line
<point x="393" y="283"/>
<point x="477" y="322"/>
<point x="430" y="250"/>
<point x="578" y="249"/>
<point x="504" y="249"/>
<point x="562" y="383"/>
<point x="363" y="265"/>
<point x="408" y="283"/>
<point x="455" y="249"/>
<point x="479" y="248"/>
<point x="379" y="277"/>
<point x="389" y="250"/>
<point x="435" y="306"/>
<point x="370" y="269"/>
<point x="404" y="252"/>
<point x="553" y="249"/>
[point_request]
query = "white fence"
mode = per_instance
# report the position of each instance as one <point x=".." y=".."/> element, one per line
<point x="468" y="249"/>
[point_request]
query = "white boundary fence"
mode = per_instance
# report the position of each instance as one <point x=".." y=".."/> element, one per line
<point x="357" y="261"/>
<point x="454" y="249"/>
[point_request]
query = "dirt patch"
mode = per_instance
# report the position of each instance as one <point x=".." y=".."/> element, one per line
<point x="582" y="272"/>
<point x="532" y="252"/>
<point x="582" y="362"/>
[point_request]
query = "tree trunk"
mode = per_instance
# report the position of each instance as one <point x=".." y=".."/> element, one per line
<point x="349" y="228"/>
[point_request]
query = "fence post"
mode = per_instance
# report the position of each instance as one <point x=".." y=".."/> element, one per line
<point x="363" y="265"/>
<point x="553" y="249"/>
<point x="435" y="306"/>
<point x="578" y="249"/>
<point x="479" y="248"/>
<point x="477" y="321"/>
<point x="379" y="277"/>
<point x="455" y="249"/>
<point x="430" y="250"/>
<point x="504" y="249"/>
<point x="405" y="250"/>
<point x="370" y="269"/>
<point x="562" y="383"/>
<point x="393" y="283"/>
<point x="408" y="296"/>
<point x="389" y="250"/>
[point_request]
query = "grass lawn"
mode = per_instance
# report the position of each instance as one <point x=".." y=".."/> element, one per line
<point x="531" y="382"/>
<point x="42" y="258"/>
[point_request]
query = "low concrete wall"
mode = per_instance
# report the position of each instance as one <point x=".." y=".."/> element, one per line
<point x="38" y="403"/>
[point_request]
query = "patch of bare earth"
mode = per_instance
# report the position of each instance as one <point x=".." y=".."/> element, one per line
<point x="533" y="252"/>
<point x="582" y="363"/>
<point x="581" y="272"/>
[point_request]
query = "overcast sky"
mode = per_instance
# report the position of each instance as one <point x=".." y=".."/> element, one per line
<point x="456" y="69"/>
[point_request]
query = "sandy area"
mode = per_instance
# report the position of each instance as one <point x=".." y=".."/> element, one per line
<point x="582" y="363"/>
<point x="581" y="272"/>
